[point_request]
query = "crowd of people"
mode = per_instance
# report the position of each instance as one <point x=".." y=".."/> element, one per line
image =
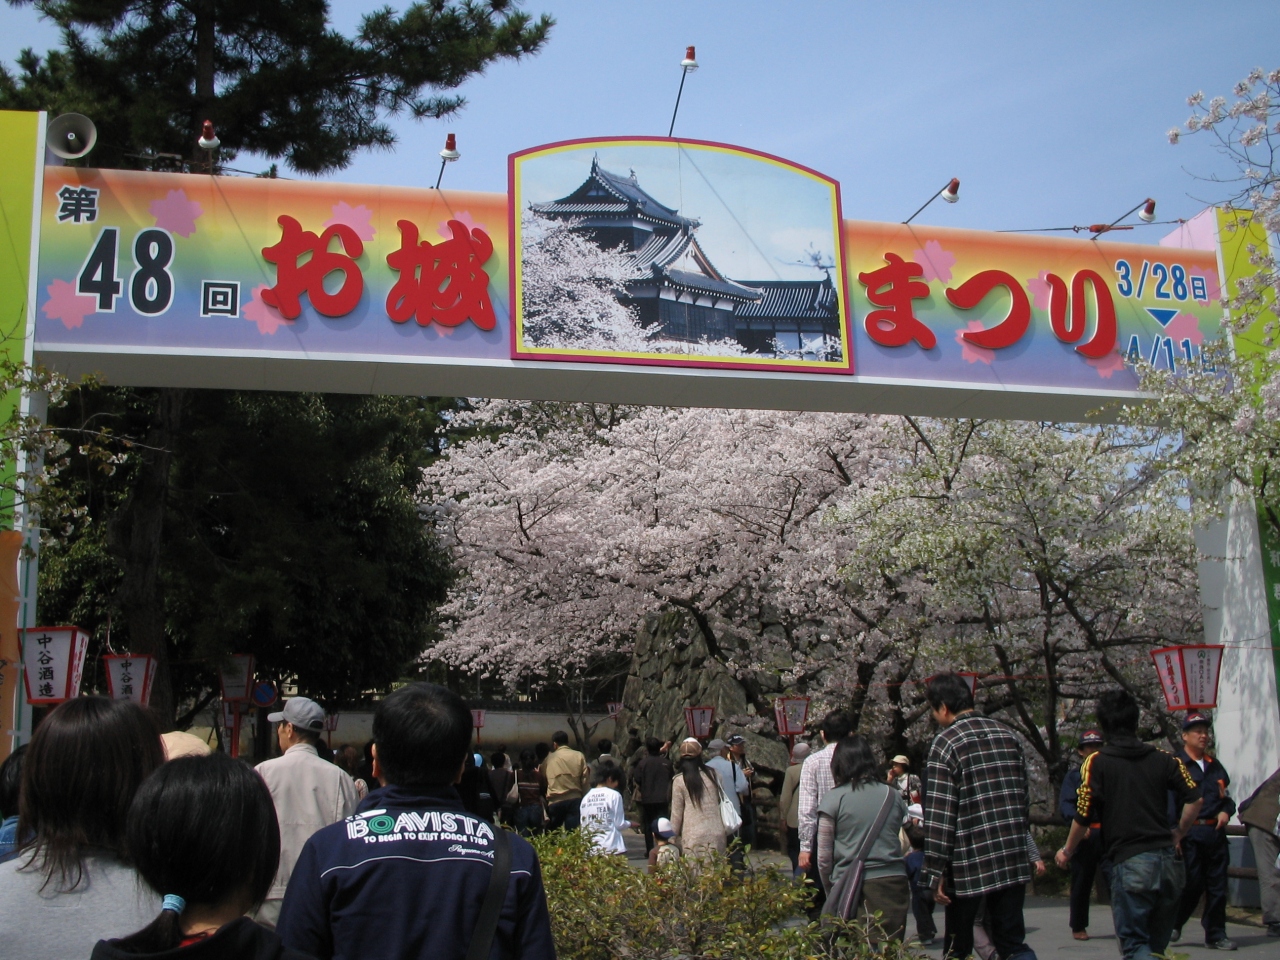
<point x="117" y="842"/>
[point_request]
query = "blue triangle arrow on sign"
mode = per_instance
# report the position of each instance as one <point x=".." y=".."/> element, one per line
<point x="1163" y="314"/>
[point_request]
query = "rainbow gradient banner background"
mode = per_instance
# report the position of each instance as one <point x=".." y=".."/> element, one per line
<point x="219" y="227"/>
<point x="1159" y="320"/>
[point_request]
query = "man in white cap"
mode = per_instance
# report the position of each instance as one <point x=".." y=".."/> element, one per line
<point x="309" y="793"/>
<point x="908" y="783"/>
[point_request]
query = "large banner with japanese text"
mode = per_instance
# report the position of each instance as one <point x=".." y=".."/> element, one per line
<point x="192" y="266"/>
<point x="184" y="263"/>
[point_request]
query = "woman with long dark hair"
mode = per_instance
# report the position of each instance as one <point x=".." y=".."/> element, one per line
<point x="203" y="834"/>
<point x="695" y="803"/>
<point x="531" y="807"/>
<point x="846" y="817"/>
<point x="71" y="881"/>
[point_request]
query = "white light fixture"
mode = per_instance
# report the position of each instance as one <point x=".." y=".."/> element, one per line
<point x="447" y="155"/>
<point x="208" y="139"/>
<point x="950" y="193"/>
<point x="687" y="66"/>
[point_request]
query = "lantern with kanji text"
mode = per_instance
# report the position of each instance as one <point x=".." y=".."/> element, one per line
<point x="236" y="676"/>
<point x="1189" y="675"/>
<point x="129" y="677"/>
<point x="791" y="713"/>
<point x="614" y="709"/>
<point x="477" y="722"/>
<point x="330" y="725"/>
<point x="231" y="719"/>
<point x="698" y="721"/>
<point x="53" y="663"/>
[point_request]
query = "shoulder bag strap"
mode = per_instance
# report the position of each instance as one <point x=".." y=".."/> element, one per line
<point x="487" y="922"/>
<point x="870" y="838"/>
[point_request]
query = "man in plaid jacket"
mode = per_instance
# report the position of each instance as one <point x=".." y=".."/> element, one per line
<point x="976" y="826"/>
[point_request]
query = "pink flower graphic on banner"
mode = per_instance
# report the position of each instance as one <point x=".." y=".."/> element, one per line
<point x="971" y="353"/>
<point x="176" y="213"/>
<point x="1210" y="282"/>
<point x="464" y="216"/>
<point x="1107" y="365"/>
<point x="937" y="263"/>
<point x="1038" y="287"/>
<point x="68" y="306"/>
<point x="1185" y="326"/>
<point x="267" y="317"/>
<point x="359" y="219"/>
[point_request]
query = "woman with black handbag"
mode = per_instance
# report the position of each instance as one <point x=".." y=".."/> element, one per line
<point x="859" y="854"/>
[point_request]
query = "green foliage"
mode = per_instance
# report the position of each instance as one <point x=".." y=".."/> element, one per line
<point x="291" y="531"/>
<point x="601" y="909"/>
<point x="273" y="77"/>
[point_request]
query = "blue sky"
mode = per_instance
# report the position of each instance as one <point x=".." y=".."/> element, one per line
<point x="1050" y="114"/>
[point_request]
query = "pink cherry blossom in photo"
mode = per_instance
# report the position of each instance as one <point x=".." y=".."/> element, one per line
<point x="267" y="317"/>
<point x="359" y="219"/>
<point x="1039" y="289"/>
<point x="937" y="262"/>
<point x="464" y="217"/>
<point x="176" y="213"/>
<point x="1185" y="326"/>
<point x="972" y="353"/>
<point x="68" y="306"/>
<point x="1107" y="365"/>
<point x="1210" y="281"/>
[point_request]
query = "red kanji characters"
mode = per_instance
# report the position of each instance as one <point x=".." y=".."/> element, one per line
<point x="1009" y="330"/>
<point x="893" y="288"/>
<point x="1071" y="329"/>
<point x="442" y="282"/>
<point x="294" y="279"/>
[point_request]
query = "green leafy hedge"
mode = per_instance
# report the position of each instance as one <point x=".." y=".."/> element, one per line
<point x="604" y="909"/>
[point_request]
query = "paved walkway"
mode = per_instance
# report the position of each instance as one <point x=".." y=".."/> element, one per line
<point x="1049" y="934"/>
<point x="1048" y="930"/>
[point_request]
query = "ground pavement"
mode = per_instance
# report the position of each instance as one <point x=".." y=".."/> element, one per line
<point x="1048" y="932"/>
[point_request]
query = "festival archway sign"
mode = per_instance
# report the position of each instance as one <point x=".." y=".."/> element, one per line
<point x="743" y="286"/>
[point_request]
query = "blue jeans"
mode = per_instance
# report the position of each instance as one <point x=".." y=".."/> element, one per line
<point x="1145" y="891"/>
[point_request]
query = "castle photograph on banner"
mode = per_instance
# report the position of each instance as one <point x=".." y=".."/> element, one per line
<point x="650" y="250"/>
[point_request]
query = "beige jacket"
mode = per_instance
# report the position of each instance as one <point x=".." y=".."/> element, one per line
<point x="566" y="773"/>
<point x="309" y="793"/>
<point x="699" y="827"/>
<point x="789" y="799"/>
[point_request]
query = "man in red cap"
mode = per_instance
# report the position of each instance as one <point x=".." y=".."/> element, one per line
<point x="1205" y="848"/>
<point x="1088" y="856"/>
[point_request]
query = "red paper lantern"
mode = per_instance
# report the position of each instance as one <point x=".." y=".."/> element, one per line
<point x="237" y="678"/>
<point x="231" y="718"/>
<point x="477" y="721"/>
<point x="791" y="713"/>
<point x="130" y="677"/>
<point x="698" y="721"/>
<point x="614" y="709"/>
<point x="1189" y="675"/>
<point x="53" y="663"/>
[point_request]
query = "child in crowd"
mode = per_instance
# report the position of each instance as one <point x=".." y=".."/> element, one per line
<point x="922" y="903"/>
<point x="602" y="814"/>
<point x="664" y="849"/>
<point x="202" y="833"/>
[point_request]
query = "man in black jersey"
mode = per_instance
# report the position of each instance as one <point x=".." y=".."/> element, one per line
<point x="1125" y="787"/>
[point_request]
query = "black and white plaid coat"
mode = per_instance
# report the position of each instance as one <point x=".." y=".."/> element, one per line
<point x="975" y="809"/>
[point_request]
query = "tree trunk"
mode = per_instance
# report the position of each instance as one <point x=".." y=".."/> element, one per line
<point x="137" y="537"/>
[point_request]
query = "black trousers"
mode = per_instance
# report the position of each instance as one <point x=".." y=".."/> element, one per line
<point x="793" y="849"/>
<point x="922" y="910"/>
<point x="1004" y="919"/>
<point x="1084" y="868"/>
<point x="1206" y="856"/>
<point x="650" y="812"/>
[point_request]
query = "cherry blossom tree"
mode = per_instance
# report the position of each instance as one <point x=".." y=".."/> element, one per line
<point x="843" y="556"/>
<point x="1224" y="415"/>
<point x="573" y="293"/>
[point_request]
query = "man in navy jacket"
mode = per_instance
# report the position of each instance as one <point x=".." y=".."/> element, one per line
<point x="1205" y="847"/>
<point x="406" y="876"/>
